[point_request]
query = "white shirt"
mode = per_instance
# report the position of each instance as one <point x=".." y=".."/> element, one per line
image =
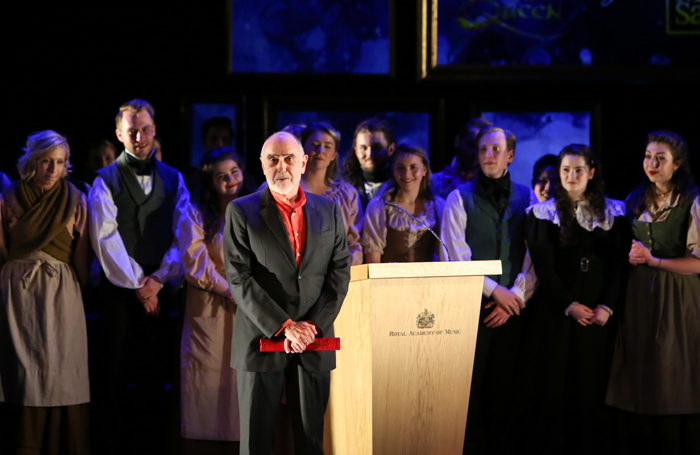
<point x="372" y="189"/>
<point x="121" y="269"/>
<point x="453" y="233"/>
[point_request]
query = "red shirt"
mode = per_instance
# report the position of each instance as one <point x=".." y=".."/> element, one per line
<point x="295" y="223"/>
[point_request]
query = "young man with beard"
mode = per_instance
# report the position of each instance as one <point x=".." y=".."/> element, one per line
<point x="367" y="166"/>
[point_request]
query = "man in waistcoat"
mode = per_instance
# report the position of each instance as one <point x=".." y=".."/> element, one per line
<point x="288" y="267"/>
<point x="484" y="219"/>
<point x="135" y="204"/>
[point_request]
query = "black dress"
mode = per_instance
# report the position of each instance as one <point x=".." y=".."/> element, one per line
<point x="567" y="367"/>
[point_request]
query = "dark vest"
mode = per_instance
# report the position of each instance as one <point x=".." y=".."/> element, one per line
<point x="145" y="222"/>
<point x="665" y="239"/>
<point x="490" y="237"/>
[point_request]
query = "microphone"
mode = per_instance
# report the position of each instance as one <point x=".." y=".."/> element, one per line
<point x="426" y="226"/>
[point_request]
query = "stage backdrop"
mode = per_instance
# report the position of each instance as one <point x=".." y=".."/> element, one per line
<point x="540" y="133"/>
<point x="310" y="36"/>
<point x="567" y="32"/>
<point x="201" y="112"/>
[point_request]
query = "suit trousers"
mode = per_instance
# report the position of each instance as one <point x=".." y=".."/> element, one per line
<point x="260" y="395"/>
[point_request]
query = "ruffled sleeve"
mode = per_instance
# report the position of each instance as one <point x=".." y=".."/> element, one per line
<point x="693" y="242"/>
<point x="374" y="227"/>
<point x="347" y="198"/>
<point x="545" y="211"/>
<point x="198" y="266"/>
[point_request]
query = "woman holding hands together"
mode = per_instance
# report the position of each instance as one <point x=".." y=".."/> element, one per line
<point x="577" y="243"/>
<point x="655" y="375"/>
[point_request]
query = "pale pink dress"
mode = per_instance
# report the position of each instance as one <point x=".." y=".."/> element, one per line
<point x="208" y="383"/>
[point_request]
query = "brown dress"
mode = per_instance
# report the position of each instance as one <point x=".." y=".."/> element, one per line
<point x="396" y="236"/>
<point x="656" y="365"/>
<point x="209" y="395"/>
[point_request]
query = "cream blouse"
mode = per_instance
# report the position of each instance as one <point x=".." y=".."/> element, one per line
<point x="380" y="215"/>
<point x="657" y="215"/>
<point x="203" y="263"/>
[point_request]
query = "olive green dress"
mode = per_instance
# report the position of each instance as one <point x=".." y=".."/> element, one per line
<point x="656" y="364"/>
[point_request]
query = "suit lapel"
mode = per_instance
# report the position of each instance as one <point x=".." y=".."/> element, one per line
<point x="313" y="230"/>
<point x="273" y="218"/>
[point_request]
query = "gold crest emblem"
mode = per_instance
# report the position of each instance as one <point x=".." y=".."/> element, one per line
<point x="425" y="320"/>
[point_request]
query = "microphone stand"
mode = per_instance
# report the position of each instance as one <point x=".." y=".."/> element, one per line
<point x="423" y="224"/>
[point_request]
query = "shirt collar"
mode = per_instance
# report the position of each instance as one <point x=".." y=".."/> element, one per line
<point x="283" y="202"/>
<point x="137" y="158"/>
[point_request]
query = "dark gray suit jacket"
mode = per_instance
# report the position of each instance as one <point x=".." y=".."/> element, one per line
<point x="269" y="287"/>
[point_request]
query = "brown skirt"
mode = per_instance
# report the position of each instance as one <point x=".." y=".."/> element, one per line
<point x="656" y="365"/>
<point x="29" y="430"/>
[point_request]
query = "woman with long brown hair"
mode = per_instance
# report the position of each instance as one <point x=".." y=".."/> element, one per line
<point x="577" y="245"/>
<point x="44" y="250"/>
<point x="655" y="375"/>
<point x="208" y="383"/>
<point x="398" y="220"/>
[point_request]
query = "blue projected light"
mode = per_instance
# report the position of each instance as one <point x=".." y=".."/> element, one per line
<point x="407" y="126"/>
<point x="310" y="36"/>
<point x="201" y="112"/>
<point x="540" y="133"/>
<point x="557" y="32"/>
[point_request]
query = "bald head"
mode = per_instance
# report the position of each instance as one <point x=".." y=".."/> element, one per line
<point x="282" y="138"/>
<point x="283" y="162"/>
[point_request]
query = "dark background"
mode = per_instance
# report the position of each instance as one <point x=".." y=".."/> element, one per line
<point x="71" y="68"/>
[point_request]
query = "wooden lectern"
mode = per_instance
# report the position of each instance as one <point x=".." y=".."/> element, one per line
<point x="408" y="333"/>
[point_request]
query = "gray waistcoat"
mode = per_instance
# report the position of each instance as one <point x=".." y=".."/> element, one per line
<point x="145" y="222"/>
<point x="490" y="237"/>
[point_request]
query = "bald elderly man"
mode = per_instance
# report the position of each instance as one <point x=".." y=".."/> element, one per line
<point x="288" y="267"/>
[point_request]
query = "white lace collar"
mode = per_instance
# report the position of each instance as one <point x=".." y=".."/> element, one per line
<point x="585" y="215"/>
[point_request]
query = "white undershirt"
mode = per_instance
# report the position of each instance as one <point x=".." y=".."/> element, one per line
<point x="453" y="232"/>
<point x="121" y="269"/>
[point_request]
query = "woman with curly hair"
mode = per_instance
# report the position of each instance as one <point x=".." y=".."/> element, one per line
<point x="208" y="383"/>
<point x="44" y="248"/>
<point x="655" y="373"/>
<point x="577" y="245"/>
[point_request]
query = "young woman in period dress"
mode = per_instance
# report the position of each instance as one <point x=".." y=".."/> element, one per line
<point x="208" y="383"/>
<point x="389" y="234"/>
<point x="655" y="374"/>
<point x="577" y="245"/>
<point x="44" y="248"/>
<point x="321" y="142"/>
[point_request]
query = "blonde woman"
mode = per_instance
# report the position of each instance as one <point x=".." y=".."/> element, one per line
<point x="43" y="341"/>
